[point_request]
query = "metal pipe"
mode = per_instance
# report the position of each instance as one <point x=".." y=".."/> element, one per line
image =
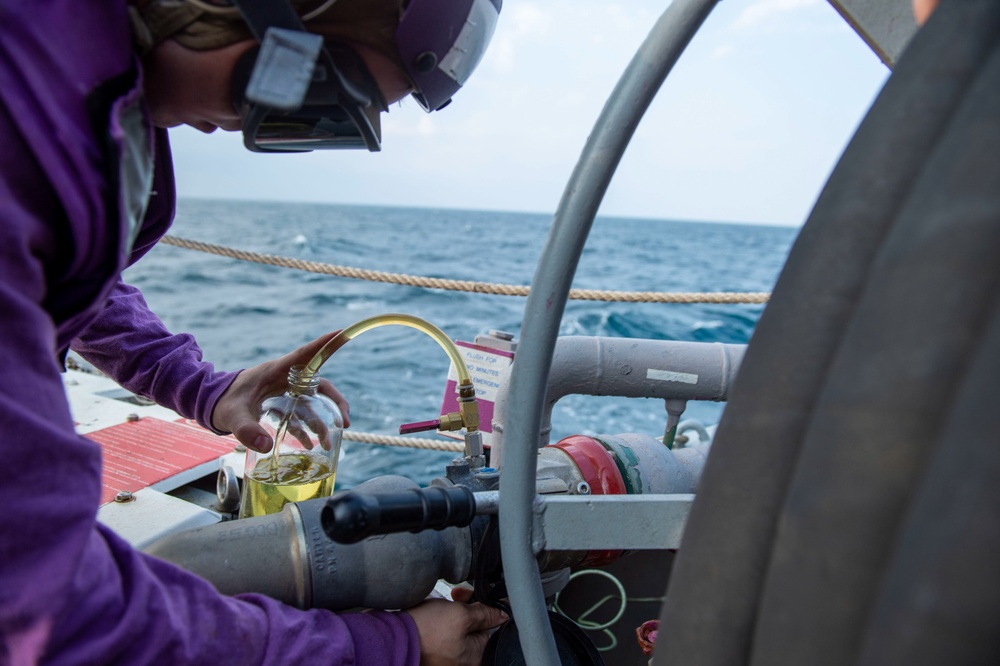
<point x="547" y="300"/>
<point x="264" y="554"/>
<point x="288" y="557"/>
<point x="625" y="367"/>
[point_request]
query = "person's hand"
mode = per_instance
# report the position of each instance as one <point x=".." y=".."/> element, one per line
<point x="454" y="633"/>
<point x="238" y="409"/>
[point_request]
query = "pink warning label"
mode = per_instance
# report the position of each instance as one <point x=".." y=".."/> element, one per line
<point x="486" y="367"/>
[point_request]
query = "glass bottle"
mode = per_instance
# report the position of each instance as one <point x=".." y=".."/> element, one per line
<point x="306" y="427"/>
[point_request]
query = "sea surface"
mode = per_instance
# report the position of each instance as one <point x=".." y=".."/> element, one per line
<point x="243" y="313"/>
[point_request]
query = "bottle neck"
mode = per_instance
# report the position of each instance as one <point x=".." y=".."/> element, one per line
<point x="301" y="382"/>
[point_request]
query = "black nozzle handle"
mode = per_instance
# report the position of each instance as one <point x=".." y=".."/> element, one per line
<point x="351" y="516"/>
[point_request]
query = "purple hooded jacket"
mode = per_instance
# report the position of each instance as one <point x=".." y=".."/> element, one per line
<point x="75" y="147"/>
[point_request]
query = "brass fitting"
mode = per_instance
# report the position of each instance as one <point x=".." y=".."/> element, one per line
<point x="449" y="422"/>
<point x="468" y="406"/>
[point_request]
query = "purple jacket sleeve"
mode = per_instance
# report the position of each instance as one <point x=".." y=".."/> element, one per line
<point x="71" y="592"/>
<point x="132" y="346"/>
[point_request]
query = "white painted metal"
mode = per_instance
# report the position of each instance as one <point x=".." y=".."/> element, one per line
<point x="152" y="515"/>
<point x="94" y="406"/>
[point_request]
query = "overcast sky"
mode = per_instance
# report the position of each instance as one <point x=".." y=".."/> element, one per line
<point x="745" y="129"/>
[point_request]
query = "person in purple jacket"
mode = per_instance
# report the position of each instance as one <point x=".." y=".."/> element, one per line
<point x="86" y="188"/>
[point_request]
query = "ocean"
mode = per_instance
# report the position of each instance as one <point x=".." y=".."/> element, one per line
<point x="244" y="313"/>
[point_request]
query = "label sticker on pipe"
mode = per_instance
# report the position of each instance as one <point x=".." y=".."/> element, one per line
<point x="669" y="376"/>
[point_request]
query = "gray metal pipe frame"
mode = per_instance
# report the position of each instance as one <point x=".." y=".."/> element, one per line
<point x="627" y="367"/>
<point x="547" y="301"/>
<point x="594" y="522"/>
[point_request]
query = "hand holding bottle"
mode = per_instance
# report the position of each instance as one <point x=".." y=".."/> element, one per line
<point x="305" y="427"/>
<point x="238" y="410"/>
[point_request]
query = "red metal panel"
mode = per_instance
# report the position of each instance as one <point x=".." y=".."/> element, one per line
<point x="138" y="454"/>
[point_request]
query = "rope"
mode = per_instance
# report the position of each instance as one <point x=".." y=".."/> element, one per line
<point x="411" y="442"/>
<point x="464" y="285"/>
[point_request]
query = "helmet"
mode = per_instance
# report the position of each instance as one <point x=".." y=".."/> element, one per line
<point x="300" y="90"/>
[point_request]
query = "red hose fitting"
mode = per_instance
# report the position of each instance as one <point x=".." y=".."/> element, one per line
<point x="598" y="468"/>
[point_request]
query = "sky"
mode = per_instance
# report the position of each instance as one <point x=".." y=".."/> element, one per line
<point x="746" y="128"/>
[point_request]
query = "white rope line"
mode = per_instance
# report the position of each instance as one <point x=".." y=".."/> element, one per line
<point x="410" y="442"/>
<point x="464" y="285"/>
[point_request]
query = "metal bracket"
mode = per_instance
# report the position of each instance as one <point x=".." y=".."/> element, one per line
<point x="600" y="522"/>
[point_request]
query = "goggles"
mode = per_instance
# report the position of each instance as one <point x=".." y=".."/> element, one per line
<point x="297" y="92"/>
<point x="340" y="108"/>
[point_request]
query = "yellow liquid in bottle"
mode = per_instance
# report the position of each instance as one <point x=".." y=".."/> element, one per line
<point x="295" y="477"/>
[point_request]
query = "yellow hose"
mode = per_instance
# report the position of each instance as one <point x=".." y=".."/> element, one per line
<point x="467" y="402"/>
<point x="360" y="327"/>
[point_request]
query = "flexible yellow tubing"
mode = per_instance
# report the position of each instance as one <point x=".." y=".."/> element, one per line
<point x="360" y="327"/>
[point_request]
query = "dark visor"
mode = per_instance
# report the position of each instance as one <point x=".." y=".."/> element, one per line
<point x="340" y="110"/>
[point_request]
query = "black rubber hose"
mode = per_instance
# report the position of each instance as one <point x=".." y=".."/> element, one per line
<point x="710" y="614"/>
<point x="888" y="393"/>
<point x="947" y="549"/>
<point x="350" y="516"/>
